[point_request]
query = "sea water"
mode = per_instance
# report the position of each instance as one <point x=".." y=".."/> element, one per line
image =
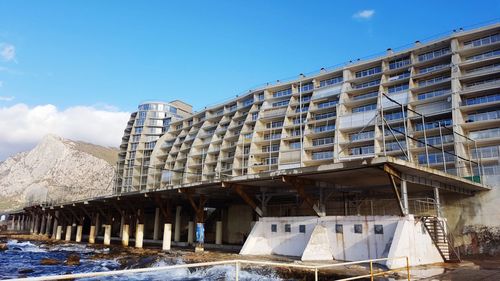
<point x="23" y="255"/>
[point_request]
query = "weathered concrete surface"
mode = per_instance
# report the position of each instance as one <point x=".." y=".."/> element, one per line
<point x="475" y="221"/>
<point x="318" y="247"/>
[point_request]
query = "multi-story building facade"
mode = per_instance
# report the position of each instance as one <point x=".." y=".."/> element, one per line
<point x="436" y="104"/>
<point x="143" y="130"/>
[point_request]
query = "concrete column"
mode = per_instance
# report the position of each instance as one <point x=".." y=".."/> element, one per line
<point x="438" y="202"/>
<point x="218" y="232"/>
<point x="79" y="230"/>
<point x="156" y="230"/>
<point x="139" y="235"/>
<point x="167" y="237"/>
<point x="177" y="229"/>
<point x="404" y="195"/>
<point x="190" y="232"/>
<point x="56" y="224"/>
<point x="58" y="232"/>
<point x="47" y="225"/>
<point x="92" y="234"/>
<point x="42" y="227"/>
<point x="122" y="222"/>
<point x="69" y="231"/>
<point x="17" y="222"/>
<point x="97" y="225"/>
<point x="125" y="234"/>
<point x="32" y="224"/>
<point x="37" y="225"/>
<point x="107" y="234"/>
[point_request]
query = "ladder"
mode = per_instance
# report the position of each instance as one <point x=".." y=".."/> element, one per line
<point x="443" y="240"/>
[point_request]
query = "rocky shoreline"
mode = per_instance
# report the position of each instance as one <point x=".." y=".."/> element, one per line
<point x="129" y="258"/>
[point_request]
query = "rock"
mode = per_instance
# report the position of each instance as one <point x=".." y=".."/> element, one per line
<point x="73" y="259"/>
<point x="49" y="261"/>
<point x="3" y="247"/>
<point x="25" y="270"/>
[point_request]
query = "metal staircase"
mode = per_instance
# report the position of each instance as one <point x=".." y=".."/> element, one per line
<point x="442" y="238"/>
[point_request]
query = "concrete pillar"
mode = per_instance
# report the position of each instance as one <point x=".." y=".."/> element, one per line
<point x="58" y="232"/>
<point x="97" y="225"/>
<point x="167" y="237"/>
<point x="32" y="224"/>
<point x="42" y="227"/>
<point x="218" y="232"/>
<point x="56" y="223"/>
<point x="125" y="234"/>
<point x="177" y="229"/>
<point x="47" y="225"/>
<point x="92" y="234"/>
<point x="156" y="230"/>
<point x="69" y="229"/>
<point x="404" y="195"/>
<point x="190" y="232"/>
<point x="122" y="222"/>
<point x="107" y="234"/>
<point x="438" y="202"/>
<point x="35" y="229"/>
<point x="16" y="225"/>
<point x="139" y="235"/>
<point x="79" y="230"/>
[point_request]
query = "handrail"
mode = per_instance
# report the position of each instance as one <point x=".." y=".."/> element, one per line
<point x="237" y="263"/>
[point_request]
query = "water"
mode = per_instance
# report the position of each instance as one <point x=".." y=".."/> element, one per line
<point x="27" y="255"/>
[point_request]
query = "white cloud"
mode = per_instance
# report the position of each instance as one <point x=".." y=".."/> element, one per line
<point x="8" y="52"/>
<point x="22" y="126"/>
<point x="365" y="14"/>
<point x="6" y="98"/>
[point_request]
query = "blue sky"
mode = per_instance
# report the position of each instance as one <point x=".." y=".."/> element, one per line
<point x="111" y="55"/>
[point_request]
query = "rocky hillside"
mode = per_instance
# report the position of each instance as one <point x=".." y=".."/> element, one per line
<point x="56" y="169"/>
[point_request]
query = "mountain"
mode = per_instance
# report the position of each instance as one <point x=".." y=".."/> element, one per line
<point x="57" y="169"/>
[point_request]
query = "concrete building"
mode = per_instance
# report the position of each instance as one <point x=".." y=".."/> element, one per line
<point x="143" y="129"/>
<point x="367" y="160"/>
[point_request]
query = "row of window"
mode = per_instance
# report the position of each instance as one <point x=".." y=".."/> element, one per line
<point x="434" y="93"/>
<point x="433" y="68"/>
<point x="434" y="54"/>
<point x="483" y="56"/>
<point x="397" y="88"/>
<point x="399" y="63"/>
<point x="483" y="116"/>
<point x="369" y="71"/>
<point x="322" y="155"/>
<point x="482" y="99"/>
<point x="483" y="41"/>
<point x="434" y="80"/>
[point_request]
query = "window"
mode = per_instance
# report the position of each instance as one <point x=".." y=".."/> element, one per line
<point x="280" y="103"/>
<point x="254" y="116"/>
<point x="324" y="128"/>
<point x="434" y="80"/>
<point x="322" y="155"/>
<point x="367" y="84"/>
<point x="399" y="76"/>
<point x="483" y="41"/>
<point x="482" y="82"/>
<point x="331" y="81"/>
<point x="397" y="88"/>
<point x="327" y="104"/>
<point x="433" y="68"/>
<point x="307" y="87"/>
<point x="364" y="108"/>
<point x="322" y="141"/>
<point x="365" y="96"/>
<point x="283" y="93"/>
<point x="483" y="116"/>
<point x="362" y="136"/>
<point x="485" y="134"/>
<point x="434" y="93"/>
<point x="435" y="158"/>
<point x="362" y="150"/>
<point x="302" y="228"/>
<point x="324" y="115"/>
<point x="288" y="228"/>
<point x="434" y="54"/>
<point x="485" y="152"/>
<point x="295" y="145"/>
<point x="248" y="102"/>
<point x="271" y="161"/>
<point x="399" y="63"/>
<point x="379" y="229"/>
<point x="433" y="124"/>
<point x="276" y="124"/>
<point x="484" y="55"/>
<point x="358" y="228"/>
<point x="274" y="228"/>
<point x="482" y="99"/>
<point x="369" y="71"/>
<point x="272" y="148"/>
<point x="339" y="228"/>
<point x="178" y="127"/>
